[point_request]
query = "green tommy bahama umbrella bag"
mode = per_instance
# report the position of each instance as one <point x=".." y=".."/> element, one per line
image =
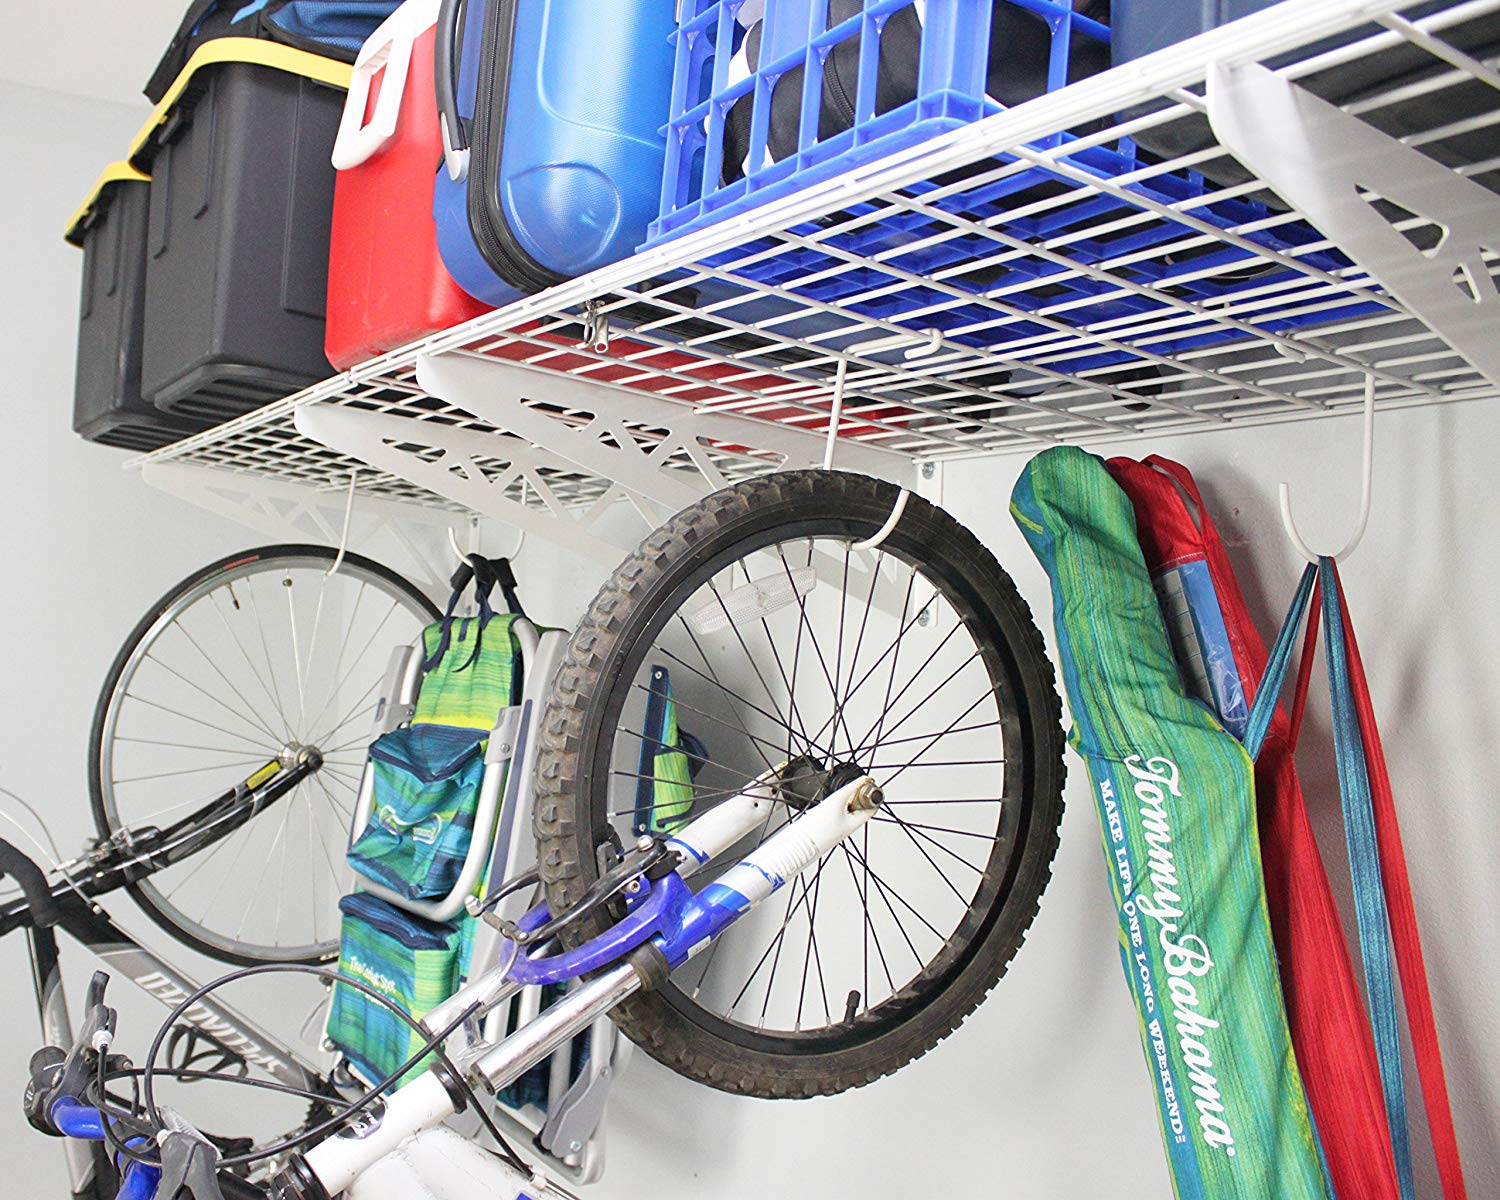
<point x="1175" y="793"/>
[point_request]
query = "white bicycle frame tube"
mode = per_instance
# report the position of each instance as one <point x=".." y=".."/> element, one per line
<point x="425" y="1102"/>
<point x="701" y="841"/>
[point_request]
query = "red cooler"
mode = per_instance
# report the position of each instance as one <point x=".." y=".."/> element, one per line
<point x="386" y="283"/>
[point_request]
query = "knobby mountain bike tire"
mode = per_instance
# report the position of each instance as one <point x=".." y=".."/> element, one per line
<point x="255" y="657"/>
<point x="793" y="655"/>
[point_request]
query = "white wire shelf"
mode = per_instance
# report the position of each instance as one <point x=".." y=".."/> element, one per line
<point x="1069" y="305"/>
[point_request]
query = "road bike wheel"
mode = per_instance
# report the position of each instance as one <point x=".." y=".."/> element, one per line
<point x="792" y="653"/>
<point x="254" y="658"/>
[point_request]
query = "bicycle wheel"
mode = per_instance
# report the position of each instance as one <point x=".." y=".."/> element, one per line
<point x="256" y="657"/>
<point x="791" y="653"/>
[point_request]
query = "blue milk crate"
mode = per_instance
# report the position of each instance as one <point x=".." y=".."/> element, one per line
<point x="950" y="92"/>
<point x="907" y="252"/>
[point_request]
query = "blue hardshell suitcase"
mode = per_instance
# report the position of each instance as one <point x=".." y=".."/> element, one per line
<point x="552" y="113"/>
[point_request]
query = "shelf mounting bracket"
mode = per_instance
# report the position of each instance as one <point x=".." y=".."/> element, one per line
<point x="1335" y="169"/>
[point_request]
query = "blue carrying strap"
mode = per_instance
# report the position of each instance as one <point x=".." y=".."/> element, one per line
<point x="1268" y="694"/>
<point x="1369" y="888"/>
<point x="1371" y="913"/>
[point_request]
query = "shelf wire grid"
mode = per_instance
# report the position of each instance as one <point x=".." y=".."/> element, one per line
<point x="1103" y="307"/>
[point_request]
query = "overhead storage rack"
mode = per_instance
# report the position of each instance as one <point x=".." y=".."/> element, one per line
<point x="1027" y="280"/>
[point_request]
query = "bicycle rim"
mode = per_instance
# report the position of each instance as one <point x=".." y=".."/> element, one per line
<point x="257" y="658"/>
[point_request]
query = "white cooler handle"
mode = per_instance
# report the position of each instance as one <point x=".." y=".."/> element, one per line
<point x="388" y="48"/>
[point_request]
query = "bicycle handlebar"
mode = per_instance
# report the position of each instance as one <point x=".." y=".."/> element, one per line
<point x="33" y="881"/>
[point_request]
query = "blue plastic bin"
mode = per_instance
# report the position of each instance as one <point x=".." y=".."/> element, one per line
<point x="799" y="37"/>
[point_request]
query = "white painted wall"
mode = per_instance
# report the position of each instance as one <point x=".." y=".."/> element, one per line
<point x="1043" y="1094"/>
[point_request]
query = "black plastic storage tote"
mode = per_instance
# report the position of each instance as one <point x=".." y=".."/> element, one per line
<point x="332" y="28"/>
<point x="237" y="239"/>
<point x="110" y="229"/>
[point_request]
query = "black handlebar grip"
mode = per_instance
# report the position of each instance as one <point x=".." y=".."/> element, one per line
<point x="19" y="867"/>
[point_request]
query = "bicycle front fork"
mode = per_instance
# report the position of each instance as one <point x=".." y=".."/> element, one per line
<point x="674" y="925"/>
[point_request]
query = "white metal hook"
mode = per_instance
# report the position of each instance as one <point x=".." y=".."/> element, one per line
<point x="835" y="413"/>
<point x="338" y="559"/>
<point x="463" y="556"/>
<point x="1368" y="473"/>
<point x="933" y="343"/>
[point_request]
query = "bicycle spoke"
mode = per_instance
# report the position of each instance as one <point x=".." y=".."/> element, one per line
<point x="718" y="683"/>
<point x="907" y="829"/>
<point x="918" y="737"/>
<point x="291" y="612"/>
<point x="707" y="793"/>
<point x="730" y="692"/>
<point x="791" y="694"/>
<point x="349" y="781"/>
<point x="811" y="952"/>
<point x="796" y="662"/>
<point x="281" y="878"/>
<point x="254" y="712"/>
<point x="312" y="645"/>
<point x="870" y="934"/>
<point x="707" y="717"/>
<point x="873" y="735"/>
<point x="838" y="655"/>
<point x="213" y="599"/>
<point x="234" y="712"/>
<point x="915" y="765"/>
<point x="232" y="873"/>
<point x="314" y="810"/>
<point x="139" y="699"/>
<point x="362" y="740"/>
<point x="750" y="658"/>
<point x="765" y="825"/>
<point x="969" y="833"/>
<point x="864" y="622"/>
<point x="333" y="800"/>
<point x="178" y="745"/>
<point x="257" y="892"/>
<point x="395" y="604"/>
<point x="244" y="762"/>
<point x="313" y="835"/>
<point x="352" y="713"/>
<point x="872" y="741"/>
<point x="885" y="894"/>
<point x="818" y="650"/>
<point x="266" y="650"/>
<point x="774" y="945"/>
<point x="151" y="817"/>
<point x="937" y="737"/>
<point x="891" y="649"/>
<point x="207" y="858"/>
<point x="338" y="660"/>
